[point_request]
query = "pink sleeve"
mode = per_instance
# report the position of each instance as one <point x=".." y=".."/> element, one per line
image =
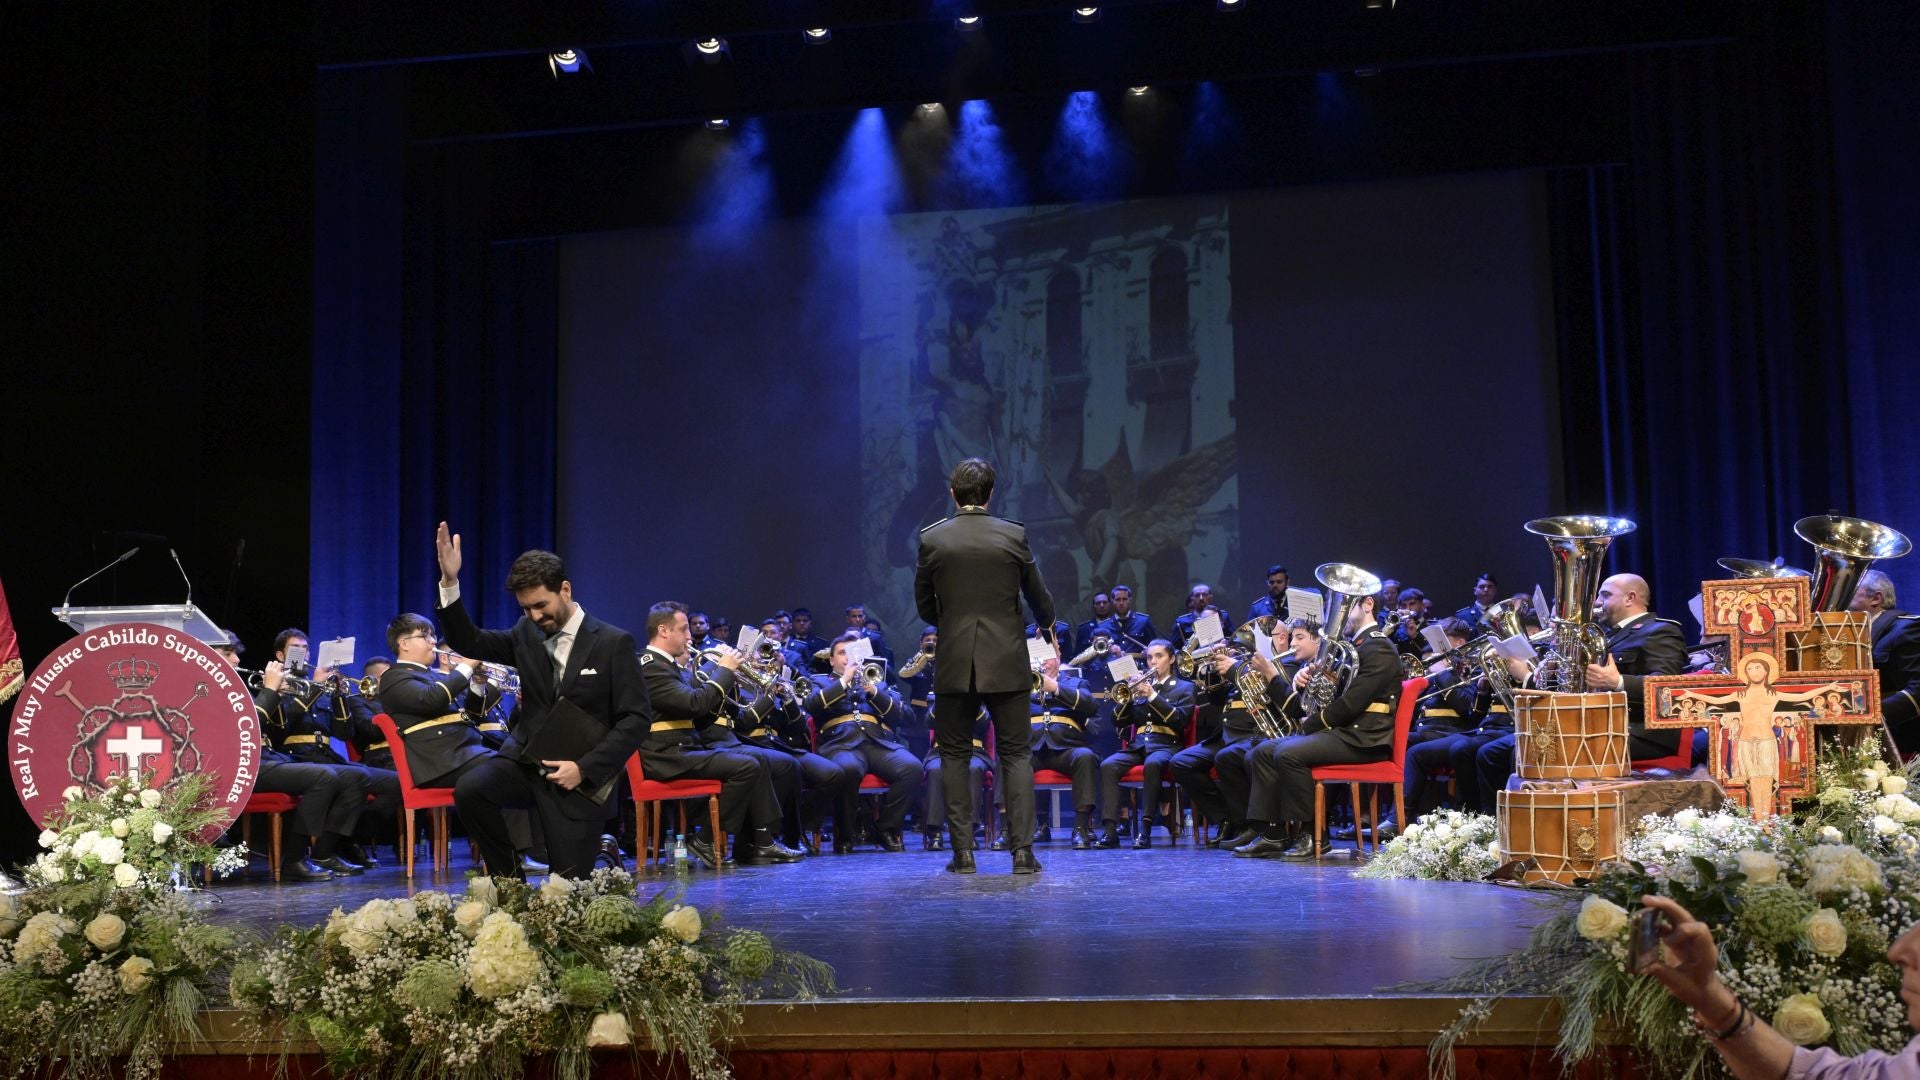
<point x="1825" y="1064"/>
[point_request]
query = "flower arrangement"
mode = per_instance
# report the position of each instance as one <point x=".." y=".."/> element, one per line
<point x="444" y="986"/>
<point x="1442" y="846"/>
<point x="1672" y="843"/>
<point x="1861" y="801"/>
<point x="100" y="958"/>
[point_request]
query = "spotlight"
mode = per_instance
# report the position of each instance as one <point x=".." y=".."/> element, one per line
<point x="967" y="22"/>
<point x="929" y="108"/>
<point x="1232" y="5"/>
<point x="818" y="36"/>
<point x="719" y="123"/>
<point x="570" y="62"/>
<point x="711" y="50"/>
<point x="1139" y="91"/>
<point x="1366" y="73"/>
<point x="1086" y="14"/>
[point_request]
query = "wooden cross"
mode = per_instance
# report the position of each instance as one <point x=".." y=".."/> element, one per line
<point x="1761" y="722"/>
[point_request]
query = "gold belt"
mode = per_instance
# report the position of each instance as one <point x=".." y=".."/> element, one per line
<point x="1057" y="718"/>
<point x="917" y="701"/>
<point x="1161" y="728"/>
<point x="1379" y="706"/>
<point x="376" y="746"/>
<point x="723" y="721"/>
<point x="978" y="745"/>
<point x="302" y="740"/>
<point x="671" y="725"/>
<point x="854" y="718"/>
<point x="1236" y="703"/>
<point x="450" y="718"/>
<point x="1497" y="708"/>
<point x="495" y="726"/>
<point x="761" y="733"/>
<point x="1440" y="712"/>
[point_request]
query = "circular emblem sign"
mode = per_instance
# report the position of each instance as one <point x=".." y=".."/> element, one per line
<point x="133" y="699"/>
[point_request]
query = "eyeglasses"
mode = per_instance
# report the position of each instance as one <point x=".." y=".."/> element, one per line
<point x="427" y="636"/>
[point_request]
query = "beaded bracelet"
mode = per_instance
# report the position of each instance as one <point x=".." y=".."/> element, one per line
<point x="1741" y="1022"/>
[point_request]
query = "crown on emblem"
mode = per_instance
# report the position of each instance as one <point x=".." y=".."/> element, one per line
<point x="133" y="674"/>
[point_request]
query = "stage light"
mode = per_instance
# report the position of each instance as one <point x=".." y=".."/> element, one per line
<point x="1085" y="14"/>
<point x="1366" y="73"/>
<point x="718" y="123"/>
<point x="569" y="62"/>
<point x="817" y="36"/>
<point x="712" y="50"/>
<point x="1232" y="5"/>
<point x="1139" y="91"/>
<point x="967" y="22"/>
<point x="929" y="108"/>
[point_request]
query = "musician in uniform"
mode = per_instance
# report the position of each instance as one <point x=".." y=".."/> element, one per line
<point x="1896" y="655"/>
<point x="1199" y="602"/>
<point x="805" y="643"/>
<point x="772" y="720"/>
<point x="1158" y="709"/>
<point x="1083" y="634"/>
<point x="858" y="623"/>
<point x="1451" y="706"/>
<point x="440" y="742"/>
<point x="1274" y="603"/>
<point x="1193" y="766"/>
<point x="1354" y="728"/>
<point x="1485" y="588"/>
<point x="916" y="685"/>
<point x="1230" y="760"/>
<point x="853" y="714"/>
<point x="1406" y="636"/>
<point x="677" y="745"/>
<point x="1061" y="711"/>
<point x="1131" y="630"/>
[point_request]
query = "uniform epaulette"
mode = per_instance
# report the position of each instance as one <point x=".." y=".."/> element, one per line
<point x="942" y="521"/>
<point x="1672" y="622"/>
<point x="646" y="658"/>
<point x="1010" y="521"/>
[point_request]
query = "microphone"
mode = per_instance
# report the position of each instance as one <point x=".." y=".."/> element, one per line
<point x="183" y="575"/>
<point x="128" y="554"/>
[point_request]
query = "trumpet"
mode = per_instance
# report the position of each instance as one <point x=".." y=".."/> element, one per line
<point x="289" y="684"/>
<point x="917" y="663"/>
<point x="873" y="672"/>
<point x="1125" y="692"/>
<point x="503" y="676"/>
<point x="365" y="686"/>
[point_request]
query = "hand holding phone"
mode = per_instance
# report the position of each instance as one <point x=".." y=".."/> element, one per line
<point x="1643" y="940"/>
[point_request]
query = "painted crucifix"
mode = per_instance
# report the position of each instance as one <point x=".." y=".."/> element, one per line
<point x="1761" y="723"/>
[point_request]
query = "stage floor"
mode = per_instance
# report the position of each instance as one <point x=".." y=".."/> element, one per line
<point x="1171" y="922"/>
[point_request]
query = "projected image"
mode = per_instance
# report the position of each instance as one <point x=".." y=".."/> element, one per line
<point x="1087" y="351"/>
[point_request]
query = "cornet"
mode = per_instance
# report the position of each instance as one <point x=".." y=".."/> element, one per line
<point x="1123" y="693"/>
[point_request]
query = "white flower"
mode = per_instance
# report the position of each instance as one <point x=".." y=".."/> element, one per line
<point x="126" y="875"/>
<point x="556" y="888"/>
<point x="483" y="890"/>
<point x="120" y="827"/>
<point x="1830" y="835"/>
<point x="150" y="799"/>
<point x="83" y="844"/>
<point x="1759" y="867"/>
<point x="109" y="850"/>
<point x="106" y="931"/>
<point x="41" y="935"/>
<point x="9" y="914"/>
<point x="610" y="1029"/>
<point x="48" y="838"/>
<point x="1905" y="844"/>
<point x="1824" y="933"/>
<point x="1836" y="868"/>
<point x="1884" y="825"/>
<point x="136" y="974"/>
<point x="1687" y="818"/>
<point x="54" y="873"/>
<point x="1869" y="780"/>
<point x="1493" y="849"/>
<point x="501" y="962"/>
<point x="1801" y="1020"/>
<point x="1672" y="842"/>
<point x="468" y="917"/>
<point x="1414" y="830"/>
<point x="130" y="799"/>
<point x="1600" y="918"/>
<point x="73" y="792"/>
<point x="162" y="832"/>
<point x="1442" y="831"/>
<point x="1893" y="785"/>
<point x="1879" y="769"/>
<point x="683" y="923"/>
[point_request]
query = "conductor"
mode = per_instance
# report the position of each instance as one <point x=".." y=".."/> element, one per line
<point x="974" y="569"/>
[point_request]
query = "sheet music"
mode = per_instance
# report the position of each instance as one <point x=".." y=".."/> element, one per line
<point x="1436" y="638"/>
<point x="1123" y="668"/>
<point x="1207" y="629"/>
<point x="859" y="649"/>
<point x="1039" y="651"/>
<point x="1262" y="643"/>
<point x="336" y="654"/>
<point x="749" y="639"/>
<point x="1540" y="609"/>
<point x="1516" y="647"/>
<point x="1698" y="606"/>
<point x="1306" y="604"/>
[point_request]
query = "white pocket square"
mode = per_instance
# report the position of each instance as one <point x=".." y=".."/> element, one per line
<point x="588" y="671"/>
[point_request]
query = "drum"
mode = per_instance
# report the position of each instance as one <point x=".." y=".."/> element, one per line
<point x="1570" y="736"/>
<point x="1566" y="833"/>
<point x="1837" y="640"/>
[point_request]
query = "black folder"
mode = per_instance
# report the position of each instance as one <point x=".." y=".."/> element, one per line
<point x="567" y="733"/>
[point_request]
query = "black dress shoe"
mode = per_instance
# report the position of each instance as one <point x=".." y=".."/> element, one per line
<point x="937" y="841"/>
<point x="1227" y="832"/>
<point x="1043" y="835"/>
<point x="1144" y="838"/>
<point x="531" y="865"/>
<point x="961" y="862"/>
<point x="1342" y="832"/>
<point x="764" y="854"/>
<point x="305" y="870"/>
<point x="1265" y="847"/>
<point x="1246" y="836"/>
<point x="339" y="866"/>
<point x="703" y="851"/>
<point x="1024" y="862"/>
<point x="609" y="853"/>
<point x="892" y="841"/>
<point x="1082" y="839"/>
<point x="1300" y="848"/>
<point x="1108" y="839"/>
<point x="359" y="856"/>
<point x="810" y="842"/>
<point x="843" y="847"/>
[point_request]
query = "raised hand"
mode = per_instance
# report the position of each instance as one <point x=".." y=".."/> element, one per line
<point x="447" y="547"/>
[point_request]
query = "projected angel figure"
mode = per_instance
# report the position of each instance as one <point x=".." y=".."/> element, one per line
<point x="1121" y="517"/>
<point x="1762" y="734"/>
<point x="966" y="414"/>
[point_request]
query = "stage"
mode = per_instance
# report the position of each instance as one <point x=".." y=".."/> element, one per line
<point x="1172" y="950"/>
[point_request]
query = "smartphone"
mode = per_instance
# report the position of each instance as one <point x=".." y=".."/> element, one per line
<point x="1643" y="940"/>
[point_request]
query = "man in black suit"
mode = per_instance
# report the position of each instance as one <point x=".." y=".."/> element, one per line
<point x="440" y="742"/>
<point x="974" y="569"/>
<point x="1639" y="644"/>
<point x="561" y="652"/>
<point x="1896" y="654"/>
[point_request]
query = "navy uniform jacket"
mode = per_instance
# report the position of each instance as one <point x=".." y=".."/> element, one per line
<point x="1060" y="720"/>
<point x="1170" y="709"/>
<point x="830" y="703"/>
<point x="677" y="702"/>
<point x="1267" y="605"/>
<point x="1062" y="636"/>
<point x="1474" y="616"/>
<point x="414" y="696"/>
<point x="1363" y="715"/>
<point x="602" y="679"/>
<point x="773" y="725"/>
<point x="974" y="570"/>
<point x="1082" y="637"/>
<point x="1450" y="703"/>
<point x="1183" y="626"/>
<point x="1235" y="720"/>
<point x="1650" y="645"/>
<point x="301" y="727"/>
<point x="1133" y="632"/>
<point x="1896" y="654"/>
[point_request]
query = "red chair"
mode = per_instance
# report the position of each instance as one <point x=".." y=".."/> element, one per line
<point x="271" y="803"/>
<point x="433" y="800"/>
<point x="1392" y="771"/>
<point x="1679" y="761"/>
<point x="662" y="791"/>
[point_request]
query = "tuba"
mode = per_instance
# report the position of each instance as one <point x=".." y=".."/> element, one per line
<point x="1847" y="547"/>
<point x="1759" y="568"/>
<point x="1577" y="545"/>
<point x="1338" y="659"/>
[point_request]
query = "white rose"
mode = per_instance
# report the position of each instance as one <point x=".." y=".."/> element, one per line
<point x="53" y="873"/>
<point x="1673" y="843"/>
<point x="1442" y="831"/>
<point x="126" y="875"/>
<point x="683" y="923"/>
<point x="1893" y="785"/>
<point x="483" y="890"/>
<point x="9" y="915"/>
<point x="556" y="888"/>
<point x="83" y="844"/>
<point x="468" y="917"/>
<point x="1869" y="780"/>
<point x="1884" y="825"/>
<point x="41" y="935"/>
<point x="1879" y="768"/>
<point x="1493" y="849"/>
<point x="120" y="827"/>
<point x="136" y="974"/>
<point x="73" y="792"/>
<point x="130" y="799"/>
<point x="1414" y="830"/>
<point x="150" y="799"/>
<point x="107" y="931"/>
<point x="610" y="1029"/>
<point x="48" y="838"/>
<point x="1801" y="1020"/>
<point x="162" y="832"/>
<point x="1830" y="835"/>
<point x="1759" y="867"/>
<point x="1824" y="932"/>
<point x="1600" y="918"/>
<point x="1687" y="817"/>
<point x="109" y="850"/>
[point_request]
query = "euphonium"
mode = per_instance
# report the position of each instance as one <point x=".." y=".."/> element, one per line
<point x="1847" y="547"/>
<point x="1338" y="659"/>
<point x="1577" y="545"/>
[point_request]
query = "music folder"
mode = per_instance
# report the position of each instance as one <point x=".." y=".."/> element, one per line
<point x="567" y="733"/>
